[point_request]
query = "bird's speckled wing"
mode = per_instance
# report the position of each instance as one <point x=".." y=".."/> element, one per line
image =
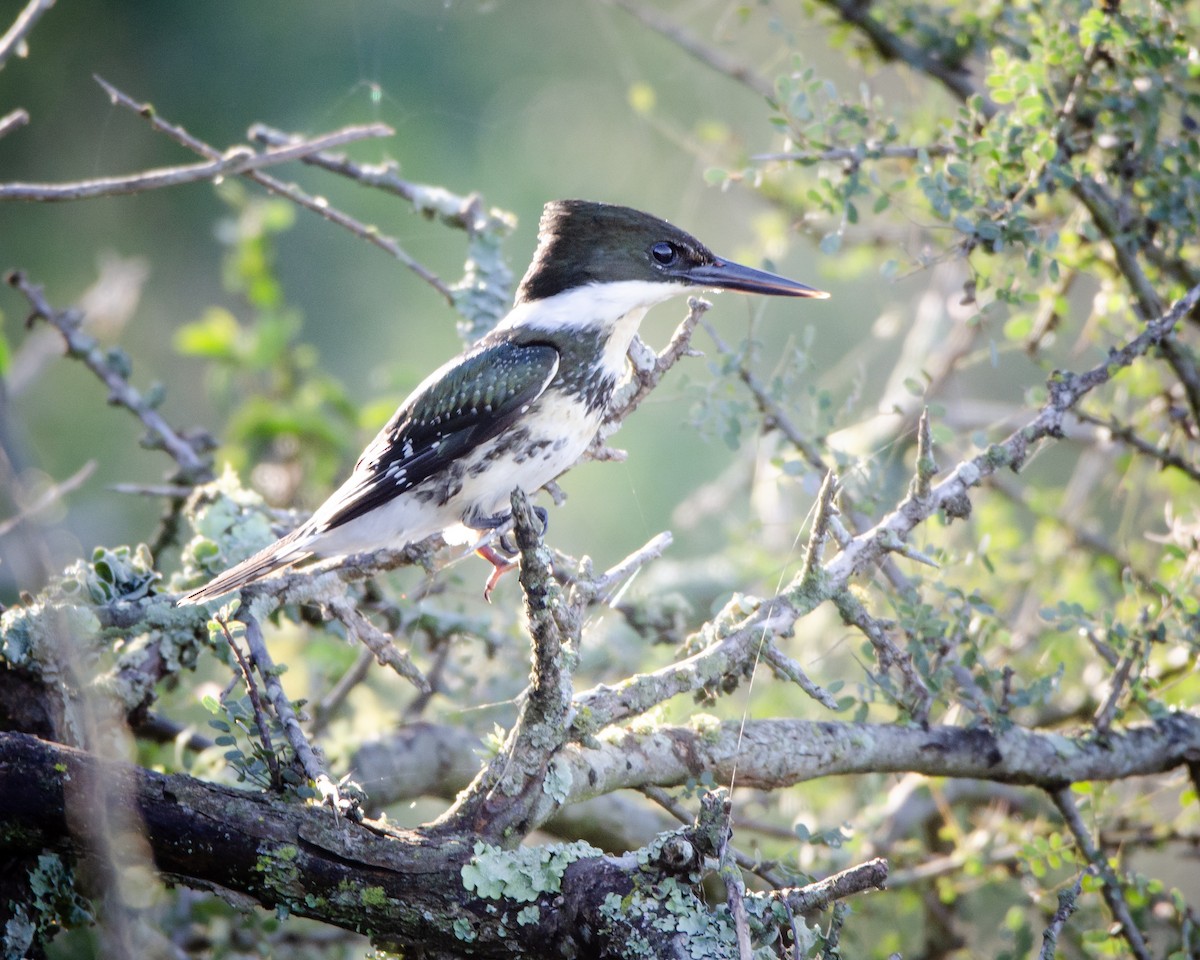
<point x="468" y="402"/>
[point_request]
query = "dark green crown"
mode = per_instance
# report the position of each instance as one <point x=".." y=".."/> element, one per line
<point x="582" y="242"/>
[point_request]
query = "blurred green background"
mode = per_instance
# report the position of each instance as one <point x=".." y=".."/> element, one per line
<point x="522" y="102"/>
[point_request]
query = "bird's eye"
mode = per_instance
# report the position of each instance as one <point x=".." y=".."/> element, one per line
<point x="665" y="253"/>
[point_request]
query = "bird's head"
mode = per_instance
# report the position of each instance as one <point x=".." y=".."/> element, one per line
<point x="582" y="243"/>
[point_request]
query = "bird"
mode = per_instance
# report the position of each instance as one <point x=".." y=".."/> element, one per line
<point x="522" y="404"/>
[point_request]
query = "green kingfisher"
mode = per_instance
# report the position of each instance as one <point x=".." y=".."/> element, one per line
<point x="523" y="403"/>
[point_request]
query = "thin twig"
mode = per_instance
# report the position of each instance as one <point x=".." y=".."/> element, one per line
<point x="379" y="643"/>
<point x="235" y="160"/>
<point x="871" y="875"/>
<point x="1104" y="716"/>
<point x="454" y="210"/>
<point x="1126" y="434"/>
<point x="317" y="205"/>
<point x="195" y="466"/>
<point x="51" y="494"/>
<point x="735" y="898"/>
<point x="826" y="510"/>
<point x="328" y="705"/>
<point x="789" y="669"/>
<point x="927" y="467"/>
<point x="600" y="588"/>
<point x="172" y="490"/>
<point x="888" y="653"/>
<point x="310" y="763"/>
<point x="13" y="40"/>
<point x="13" y="121"/>
<point x="1068" y="900"/>
<point x="1109" y="882"/>
<point x="256" y="704"/>
<point x="708" y="55"/>
<point x="857" y="154"/>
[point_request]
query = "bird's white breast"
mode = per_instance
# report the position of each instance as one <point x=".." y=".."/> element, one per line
<point x="547" y="439"/>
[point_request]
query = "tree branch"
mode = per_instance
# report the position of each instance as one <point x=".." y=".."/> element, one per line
<point x="519" y="787"/>
<point x="13" y="40"/>
<point x="12" y="121"/>
<point x="235" y="160"/>
<point x="1109" y="882"/>
<point x="432" y="887"/>
<point x="871" y="875"/>
<point x="317" y="205"/>
<point x="891" y="47"/>
<point x="708" y="55"/>
<point x="191" y="454"/>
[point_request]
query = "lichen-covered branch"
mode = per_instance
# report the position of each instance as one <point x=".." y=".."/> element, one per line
<point x="442" y="890"/>
<point x="524" y="783"/>
<point x="770" y="754"/>
<point x="732" y="648"/>
<point x="191" y="454"/>
<point x="871" y="875"/>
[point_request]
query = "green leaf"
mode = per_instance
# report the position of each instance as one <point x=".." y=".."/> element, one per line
<point x="214" y="336"/>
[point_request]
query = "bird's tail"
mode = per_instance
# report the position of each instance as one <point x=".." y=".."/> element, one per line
<point x="279" y="555"/>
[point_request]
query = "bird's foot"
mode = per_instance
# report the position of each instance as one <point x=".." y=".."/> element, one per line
<point x="501" y="564"/>
<point x="505" y="558"/>
<point x="508" y="542"/>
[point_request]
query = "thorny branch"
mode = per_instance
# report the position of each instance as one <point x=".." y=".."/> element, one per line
<point x="463" y="213"/>
<point x="235" y="160"/>
<point x="317" y="205"/>
<point x="191" y="453"/>
<point x="1110" y="884"/>
<point x="724" y="657"/>
<point x="306" y="756"/>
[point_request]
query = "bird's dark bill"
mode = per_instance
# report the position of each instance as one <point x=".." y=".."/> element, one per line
<point x="727" y="275"/>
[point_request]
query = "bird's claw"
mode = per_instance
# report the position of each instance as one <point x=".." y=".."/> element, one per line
<point x="501" y="564"/>
<point x="505" y="558"/>
<point x="508" y="541"/>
